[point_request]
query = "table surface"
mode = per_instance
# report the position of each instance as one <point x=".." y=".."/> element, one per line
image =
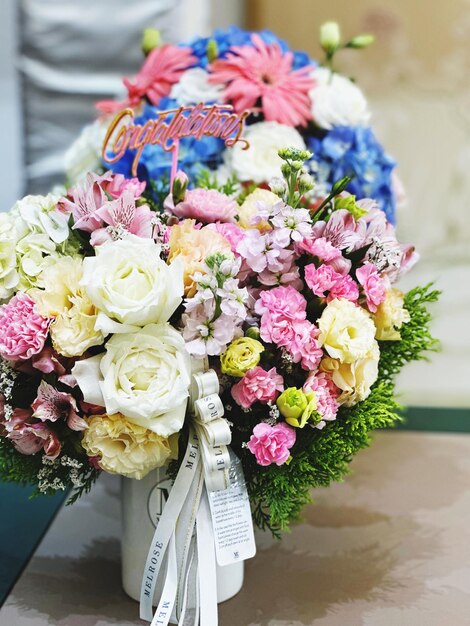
<point x="389" y="546"/>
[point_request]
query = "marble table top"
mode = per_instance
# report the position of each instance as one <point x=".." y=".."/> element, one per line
<point x="389" y="546"/>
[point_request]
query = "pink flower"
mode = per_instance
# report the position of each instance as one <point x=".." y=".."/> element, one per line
<point x="283" y="302"/>
<point x="83" y="201"/>
<point x="326" y="395"/>
<point x="375" y="288"/>
<point x="258" y="385"/>
<point x="51" y="405"/>
<point x="276" y="329"/>
<point x="118" y="184"/>
<point x="30" y="438"/>
<point x="123" y="216"/>
<point x="262" y="71"/>
<point x="341" y="230"/>
<point x="206" y="205"/>
<point x="47" y="361"/>
<point x="232" y="233"/>
<point x="320" y="248"/>
<point x="271" y="444"/>
<point x="22" y="330"/>
<point x="161" y="70"/>
<point x="325" y="282"/>
<point x="303" y="346"/>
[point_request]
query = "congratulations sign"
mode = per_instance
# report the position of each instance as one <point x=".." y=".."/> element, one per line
<point x="166" y="130"/>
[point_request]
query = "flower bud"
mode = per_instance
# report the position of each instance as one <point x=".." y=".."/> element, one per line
<point x="361" y="41"/>
<point x="252" y="332"/>
<point x="151" y="39"/>
<point x="341" y="184"/>
<point x="305" y="183"/>
<point x="330" y="37"/>
<point x="278" y="186"/>
<point x="180" y="184"/>
<point x="212" y="50"/>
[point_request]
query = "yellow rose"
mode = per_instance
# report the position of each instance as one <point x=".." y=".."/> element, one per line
<point x="241" y="355"/>
<point x="73" y="330"/>
<point x="250" y="208"/>
<point x="194" y="245"/>
<point x="126" y="448"/>
<point x="354" y="379"/>
<point x="346" y="331"/>
<point x="390" y="316"/>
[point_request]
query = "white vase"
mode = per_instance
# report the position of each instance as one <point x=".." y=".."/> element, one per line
<point x="142" y="502"/>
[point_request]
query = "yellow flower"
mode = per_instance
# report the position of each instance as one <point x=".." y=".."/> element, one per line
<point x="297" y="406"/>
<point x="126" y="448"/>
<point x="250" y="208"/>
<point x="390" y="316"/>
<point x="241" y="355"/>
<point x="346" y="331"/>
<point x="194" y="245"/>
<point x="73" y="330"/>
<point x="354" y="379"/>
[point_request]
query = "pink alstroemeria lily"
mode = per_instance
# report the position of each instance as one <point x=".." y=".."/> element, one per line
<point x="83" y="202"/>
<point x="52" y="405"/>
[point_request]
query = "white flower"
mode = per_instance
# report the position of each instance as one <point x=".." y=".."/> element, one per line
<point x="261" y="162"/>
<point x="8" y="274"/>
<point x="336" y="101"/>
<point x="35" y="252"/>
<point x="131" y="285"/>
<point x="144" y="375"/>
<point x="193" y="87"/>
<point x="84" y="155"/>
<point x="41" y="215"/>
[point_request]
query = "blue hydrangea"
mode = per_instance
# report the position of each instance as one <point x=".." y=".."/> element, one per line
<point x="355" y="151"/>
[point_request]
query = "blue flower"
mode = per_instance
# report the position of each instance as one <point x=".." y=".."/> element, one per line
<point x="355" y="151"/>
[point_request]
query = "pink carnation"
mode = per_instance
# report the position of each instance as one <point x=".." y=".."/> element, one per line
<point x="206" y="205"/>
<point x="257" y="385"/>
<point x="303" y="346"/>
<point x="22" y="330"/>
<point x="326" y="395"/>
<point x="271" y="444"/>
<point x="232" y="233"/>
<point x="282" y="302"/>
<point x="373" y="285"/>
<point x="325" y="282"/>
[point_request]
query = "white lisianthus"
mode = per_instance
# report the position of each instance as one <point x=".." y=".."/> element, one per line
<point x="261" y="162"/>
<point x="131" y="285"/>
<point x="84" y="155"/>
<point x="41" y="215"/>
<point x="144" y="375"/>
<point x="354" y="379"/>
<point x="337" y="101"/>
<point x="8" y="274"/>
<point x="346" y="331"/>
<point x="193" y="87"/>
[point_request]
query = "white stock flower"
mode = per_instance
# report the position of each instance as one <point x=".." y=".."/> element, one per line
<point x="84" y="155"/>
<point x="193" y="87"/>
<point x="144" y="375"/>
<point x="131" y="285"/>
<point x="336" y="101"/>
<point x="261" y="162"/>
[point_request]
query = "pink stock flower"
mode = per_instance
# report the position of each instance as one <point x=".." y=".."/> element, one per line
<point x="375" y="288"/>
<point x="52" y="405"/>
<point x="326" y="396"/>
<point x="206" y="205"/>
<point x="262" y="251"/>
<point x="303" y="346"/>
<point x="22" y="330"/>
<point x="258" y="385"/>
<point x="122" y="216"/>
<point x="161" y="70"/>
<point x="30" y="438"/>
<point x="325" y="282"/>
<point x="118" y="184"/>
<point x="262" y="71"/>
<point x="271" y="444"/>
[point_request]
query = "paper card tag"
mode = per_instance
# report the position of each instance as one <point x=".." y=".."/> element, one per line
<point x="231" y="518"/>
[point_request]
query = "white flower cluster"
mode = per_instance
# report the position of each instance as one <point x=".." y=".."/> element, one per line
<point x="48" y="480"/>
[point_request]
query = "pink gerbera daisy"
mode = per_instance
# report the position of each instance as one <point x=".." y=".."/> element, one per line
<point x="161" y="70"/>
<point x="264" y="72"/>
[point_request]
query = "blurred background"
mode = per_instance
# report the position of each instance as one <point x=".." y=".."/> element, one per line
<point x="57" y="57"/>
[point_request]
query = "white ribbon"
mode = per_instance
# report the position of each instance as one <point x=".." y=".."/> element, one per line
<point x="190" y="562"/>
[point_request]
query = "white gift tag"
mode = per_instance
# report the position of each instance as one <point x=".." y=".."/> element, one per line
<point x="231" y="518"/>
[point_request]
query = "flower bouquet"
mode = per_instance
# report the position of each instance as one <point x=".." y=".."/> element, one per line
<point x="292" y="102"/>
<point x="245" y="337"/>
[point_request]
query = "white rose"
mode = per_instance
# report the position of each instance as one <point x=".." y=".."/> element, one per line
<point x="261" y="162"/>
<point x="41" y="215"/>
<point x="8" y="274"/>
<point x="336" y="101"/>
<point x="84" y="155"/>
<point x="131" y="285"/>
<point x="143" y="375"/>
<point x="346" y="331"/>
<point x="354" y="379"/>
<point x="193" y="87"/>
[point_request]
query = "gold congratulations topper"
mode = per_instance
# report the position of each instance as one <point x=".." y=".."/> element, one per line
<point x="166" y="130"/>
